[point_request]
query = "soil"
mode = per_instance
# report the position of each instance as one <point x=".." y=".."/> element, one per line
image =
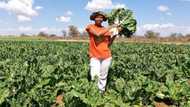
<point x="59" y="101"/>
<point x="188" y="82"/>
<point x="160" y="104"/>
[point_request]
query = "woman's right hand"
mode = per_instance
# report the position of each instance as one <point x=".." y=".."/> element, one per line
<point x="112" y="26"/>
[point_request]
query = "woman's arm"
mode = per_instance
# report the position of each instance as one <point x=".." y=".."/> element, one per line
<point x="92" y="31"/>
<point x="102" y="33"/>
<point x="112" y="38"/>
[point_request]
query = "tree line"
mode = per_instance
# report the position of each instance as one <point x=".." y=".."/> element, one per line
<point x="73" y="31"/>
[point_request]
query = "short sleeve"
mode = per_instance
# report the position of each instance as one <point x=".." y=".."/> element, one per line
<point x="88" y="27"/>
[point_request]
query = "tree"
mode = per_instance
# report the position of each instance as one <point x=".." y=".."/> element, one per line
<point x="187" y="35"/>
<point x="84" y="34"/>
<point x="73" y="31"/>
<point x="42" y="34"/>
<point x="151" y="34"/>
<point x="174" y="35"/>
<point x="53" y="35"/>
<point x="64" y="33"/>
<point x="24" y="35"/>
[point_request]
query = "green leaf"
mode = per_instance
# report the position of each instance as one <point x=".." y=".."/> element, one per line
<point x="4" y="93"/>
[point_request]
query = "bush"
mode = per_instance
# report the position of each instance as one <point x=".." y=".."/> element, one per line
<point x="151" y="34"/>
<point x="73" y="31"/>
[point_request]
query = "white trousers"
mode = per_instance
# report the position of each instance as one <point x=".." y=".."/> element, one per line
<point x="100" y="69"/>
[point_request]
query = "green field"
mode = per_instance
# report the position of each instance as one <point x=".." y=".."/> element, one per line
<point x="32" y="72"/>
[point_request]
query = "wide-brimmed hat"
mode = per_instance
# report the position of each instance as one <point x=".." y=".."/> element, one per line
<point x="94" y="14"/>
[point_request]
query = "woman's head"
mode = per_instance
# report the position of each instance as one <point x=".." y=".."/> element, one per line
<point x="98" y="17"/>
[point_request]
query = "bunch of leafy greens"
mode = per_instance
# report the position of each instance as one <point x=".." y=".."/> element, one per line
<point x="124" y="18"/>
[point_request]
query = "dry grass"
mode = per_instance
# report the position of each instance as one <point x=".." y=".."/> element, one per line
<point x="135" y="39"/>
<point x="177" y="41"/>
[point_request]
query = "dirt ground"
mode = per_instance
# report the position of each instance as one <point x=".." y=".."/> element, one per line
<point x="130" y="41"/>
<point x="160" y="104"/>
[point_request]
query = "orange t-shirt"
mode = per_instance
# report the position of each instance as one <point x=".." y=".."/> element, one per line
<point x="98" y="46"/>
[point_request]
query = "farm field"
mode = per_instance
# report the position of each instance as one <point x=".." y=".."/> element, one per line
<point x="32" y="73"/>
<point x="44" y="47"/>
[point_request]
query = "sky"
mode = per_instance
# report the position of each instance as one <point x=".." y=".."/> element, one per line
<point x="53" y="16"/>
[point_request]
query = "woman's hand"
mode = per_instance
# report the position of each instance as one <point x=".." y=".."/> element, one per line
<point x="109" y="29"/>
<point x="119" y="28"/>
<point x="112" y="26"/>
<point x="115" y="29"/>
<point x="111" y="40"/>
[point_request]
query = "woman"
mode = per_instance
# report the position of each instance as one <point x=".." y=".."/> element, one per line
<point x="99" y="52"/>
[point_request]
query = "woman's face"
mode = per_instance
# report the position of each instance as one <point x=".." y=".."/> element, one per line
<point x="99" y="19"/>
